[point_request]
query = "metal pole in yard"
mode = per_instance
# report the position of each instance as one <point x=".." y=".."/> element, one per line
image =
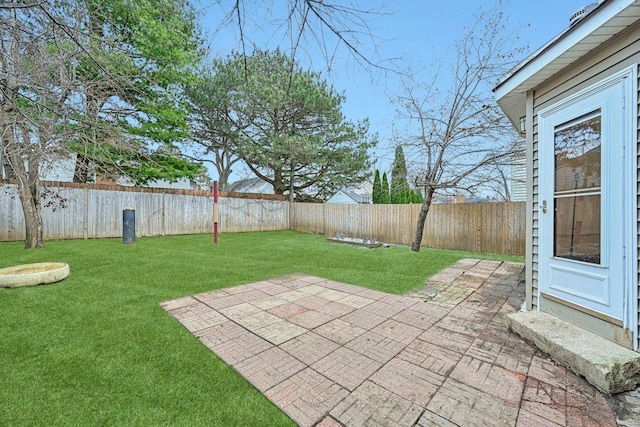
<point x="215" y="212"/>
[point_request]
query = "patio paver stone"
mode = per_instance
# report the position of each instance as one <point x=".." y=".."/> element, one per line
<point x="331" y="354"/>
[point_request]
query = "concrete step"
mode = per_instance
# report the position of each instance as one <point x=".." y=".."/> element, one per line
<point x="608" y="366"/>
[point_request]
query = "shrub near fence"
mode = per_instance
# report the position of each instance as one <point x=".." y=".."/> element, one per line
<point x="95" y="211"/>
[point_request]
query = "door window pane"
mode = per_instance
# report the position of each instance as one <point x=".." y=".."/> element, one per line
<point x="577" y="193"/>
<point x="577" y="228"/>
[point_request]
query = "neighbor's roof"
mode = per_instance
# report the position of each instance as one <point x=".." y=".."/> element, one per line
<point x="251" y="185"/>
<point x="351" y="192"/>
<point x="608" y="19"/>
<point x="360" y="193"/>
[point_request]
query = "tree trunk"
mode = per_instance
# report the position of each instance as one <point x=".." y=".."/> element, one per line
<point x="34" y="229"/>
<point x="29" y="193"/>
<point x="422" y="217"/>
<point x="81" y="172"/>
<point x="291" y="184"/>
<point x="278" y="182"/>
<point x="223" y="179"/>
<point x="223" y="166"/>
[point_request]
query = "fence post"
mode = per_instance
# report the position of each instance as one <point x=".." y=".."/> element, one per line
<point x="478" y="220"/>
<point x="85" y="228"/>
<point x="324" y="219"/>
<point x="164" y="214"/>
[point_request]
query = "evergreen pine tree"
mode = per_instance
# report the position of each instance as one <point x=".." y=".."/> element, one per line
<point x="386" y="196"/>
<point x="399" y="184"/>
<point x="376" y="194"/>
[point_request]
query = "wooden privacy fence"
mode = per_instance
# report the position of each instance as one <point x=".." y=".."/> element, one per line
<point x="476" y="227"/>
<point x="77" y="211"/>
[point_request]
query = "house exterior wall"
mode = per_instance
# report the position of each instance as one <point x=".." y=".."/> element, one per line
<point x="621" y="52"/>
<point x="637" y="133"/>
<point x="518" y="180"/>
<point x="341" y="199"/>
<point x="60" y="169"/>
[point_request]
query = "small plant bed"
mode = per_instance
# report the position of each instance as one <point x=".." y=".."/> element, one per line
<point x="365" y="243"/>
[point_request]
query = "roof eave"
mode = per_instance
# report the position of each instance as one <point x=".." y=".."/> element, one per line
<point x="570" y="46"/>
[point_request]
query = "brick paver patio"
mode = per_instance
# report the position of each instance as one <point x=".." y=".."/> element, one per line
<point x="333" y="354"/>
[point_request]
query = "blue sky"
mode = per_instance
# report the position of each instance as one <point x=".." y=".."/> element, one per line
<point x="421" y="32"/>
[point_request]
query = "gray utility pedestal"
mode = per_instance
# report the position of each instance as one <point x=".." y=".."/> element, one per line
<point x="128" y="226"/>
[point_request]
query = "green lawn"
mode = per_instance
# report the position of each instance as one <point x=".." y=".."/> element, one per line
<point x="96" y="349"/>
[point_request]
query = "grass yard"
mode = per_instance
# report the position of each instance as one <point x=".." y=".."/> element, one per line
<point x="96" y="349"/>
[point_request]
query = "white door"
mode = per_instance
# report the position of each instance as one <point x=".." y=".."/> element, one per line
<point x="583" y="212"/>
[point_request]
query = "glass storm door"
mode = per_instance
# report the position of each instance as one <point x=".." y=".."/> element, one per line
<point x="577" y="190"/>
<point x="581" y="205"/>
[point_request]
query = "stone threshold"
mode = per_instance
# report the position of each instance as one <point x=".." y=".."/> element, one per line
<point x="608" y="366"/>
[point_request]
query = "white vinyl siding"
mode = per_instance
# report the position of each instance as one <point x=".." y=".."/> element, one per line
<point x="621" y="52"/>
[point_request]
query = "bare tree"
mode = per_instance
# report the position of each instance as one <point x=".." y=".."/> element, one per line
<point x="500" y="185"/>
<point x="65" y="92"/>
<point x="454" y="134"/>
<point x="503" y="175"/>
<point x="334" y="28"/>
<point x="36" y="100"/>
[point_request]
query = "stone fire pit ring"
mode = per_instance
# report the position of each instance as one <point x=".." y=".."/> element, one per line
<point x="40" y="273"/>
